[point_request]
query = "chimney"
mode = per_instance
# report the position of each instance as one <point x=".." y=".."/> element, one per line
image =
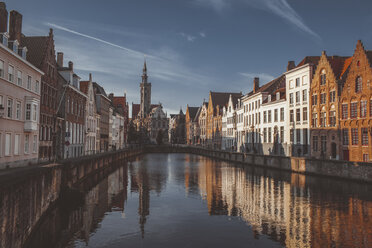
<point x="60" y="59"/>
<point x="90" y="77"/>
<point x="111" y="96"/>
<point x="70" y="65"/>
<point x="256" y="84"/>
<point x="291" y="65"/>
<point x="3" y="18"/>
<point x="15" y="26"/>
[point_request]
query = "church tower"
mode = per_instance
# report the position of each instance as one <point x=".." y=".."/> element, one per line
<point x="145" y="94"/>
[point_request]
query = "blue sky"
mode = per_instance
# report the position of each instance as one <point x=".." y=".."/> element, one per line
<point x="194" y="46"/>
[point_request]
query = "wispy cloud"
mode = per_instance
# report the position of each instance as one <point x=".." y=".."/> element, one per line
<point x="264" y="77"/>
<point x="188" y="37"/>
<point x="94" y="38"/>
<point x="280" y="8"/>
<point x="202" y="34"/>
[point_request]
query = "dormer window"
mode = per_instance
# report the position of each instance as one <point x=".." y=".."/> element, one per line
<point x="4" y="39"/>
<point x="277" y="96"/>
<point x="22" y="52"/>
<point x="15" y="46"/>
<point x="269" y="98"/>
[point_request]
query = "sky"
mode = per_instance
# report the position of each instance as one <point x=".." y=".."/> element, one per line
<point x="194" y="46"/>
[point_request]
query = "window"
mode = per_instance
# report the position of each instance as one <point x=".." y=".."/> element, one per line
<point x="365" y="157"/>
<point x="37" y="86"/>
<point x="291" y="98"/>
<point x="345" y="111"/>
<point x="315" y="143"/>
<point x="291" y="117"/>
<point x="265" y="117"/>
<point x="276" y="115"/>
<point x="34" y="144"/>
<point x="323" y="78"/>
<point x="34" y="115"/>
<point x="29" y="82"/>
<point x="353" y="110"/>
<point x="281" y="134"/>
<point x="269" y="116"/>
<point x="298" y="115"/>
<point x="16" y="144"/>
<point x="354" y="136"/>
<point x="323" y="98"/>
<point x="298" y="136"/>
<point x="304" y="80"/>
<point x="298" y="97"/>
<point x="323" y="143"/>
<point x="305" y="137"/>
<point x="28" y="112"/>
<point x="10" y="73"/>
<point x="269" y="135"/>
<point x="332" y="96"/>
<point x="18" y="110"/>
<point x="323" y="119"/>
<point x="314" y="121"/>
<point x="265" y="134"/>
<point x="256" y="119"/>
<point x="314" y="99"/>
<point x="364" y="136"/>
<point x="304" y="114"/>
<point x="10" y="108"/>
<point x="332" y="118"/>
<point x="363" y="108"/>
<point x="291" y="136"/>
<point x="358" y="84"/>
<point x="297" y="82"/>
<point x="19" y="78"/>
<point x="304" y="95"/>
<point x="27" y="143"/>
<point x="1" y="68"/>
<point x="345" y="137"/>
<point x="282" y="114"/>
<point x="7" y="144"/>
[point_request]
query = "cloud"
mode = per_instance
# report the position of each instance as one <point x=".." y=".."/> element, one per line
<point x="202" y="34"/>
<point x="94" y="38"/>
<point x="263" y="76"/>
<point x="188" y="37"/>
<point x="280" y="8"/>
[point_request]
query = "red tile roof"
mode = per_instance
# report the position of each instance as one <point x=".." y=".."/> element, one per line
<point x="222" y="98"/>
<point x="339" y="65"/>
<point x="309" y="59"/>
<point x="36" y="48"/>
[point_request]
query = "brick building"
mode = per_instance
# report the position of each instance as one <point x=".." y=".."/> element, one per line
<point x="325" y="135"/>
<point x="356" y="107"/>
<point x="103" y="104"/>
<point x="190" y="120"/>
<point x="122" y="108"/>
<point x="41" y="53"/>
<point x="203" y="123"/>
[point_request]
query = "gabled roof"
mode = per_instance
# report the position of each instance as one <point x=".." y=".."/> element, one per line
<point x="309" y="60"/>
<point x="99" y="89"/>
<point x="271" y="86"/>
<point x="192" y="112"/>
<point x="222" y="98"/>
<point x="338" y="65"/>
<point x="369" y="56"/>
<point x="36" y="48"/>
<point x="196" y="118"/>
<point x="346" y="66"/>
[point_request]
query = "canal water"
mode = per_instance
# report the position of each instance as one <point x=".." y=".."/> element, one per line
<point x="181" y="200"/>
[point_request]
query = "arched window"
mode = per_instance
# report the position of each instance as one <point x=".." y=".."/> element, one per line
<point x="358" y="84"/>
<point x="323" y="77"/>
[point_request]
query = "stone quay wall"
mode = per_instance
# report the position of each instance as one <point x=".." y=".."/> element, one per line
<point x="357" y="171"/>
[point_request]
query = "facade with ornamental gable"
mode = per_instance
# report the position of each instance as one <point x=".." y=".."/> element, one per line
<point x="217" y="100"/>
<point x="356" y="107"/>
<point x="325" y="134"/>
<point x="229" y="124"/>
<point x="203" y="117"/>
<point x="191" y="137"/>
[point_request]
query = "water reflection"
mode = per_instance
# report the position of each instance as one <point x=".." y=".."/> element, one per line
<point x="161" y="193"/>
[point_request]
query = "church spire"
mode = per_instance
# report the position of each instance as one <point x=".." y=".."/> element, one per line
<point x="144" y="72"/>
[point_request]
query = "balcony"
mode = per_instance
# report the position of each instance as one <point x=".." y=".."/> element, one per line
<point x="30" y="126"/>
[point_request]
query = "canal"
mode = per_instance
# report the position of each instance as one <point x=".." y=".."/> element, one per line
<point x="182" y="200"/>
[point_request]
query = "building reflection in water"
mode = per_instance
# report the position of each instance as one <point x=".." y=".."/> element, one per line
<point x="282" y="206"/>
<point x="293" y="210"/>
